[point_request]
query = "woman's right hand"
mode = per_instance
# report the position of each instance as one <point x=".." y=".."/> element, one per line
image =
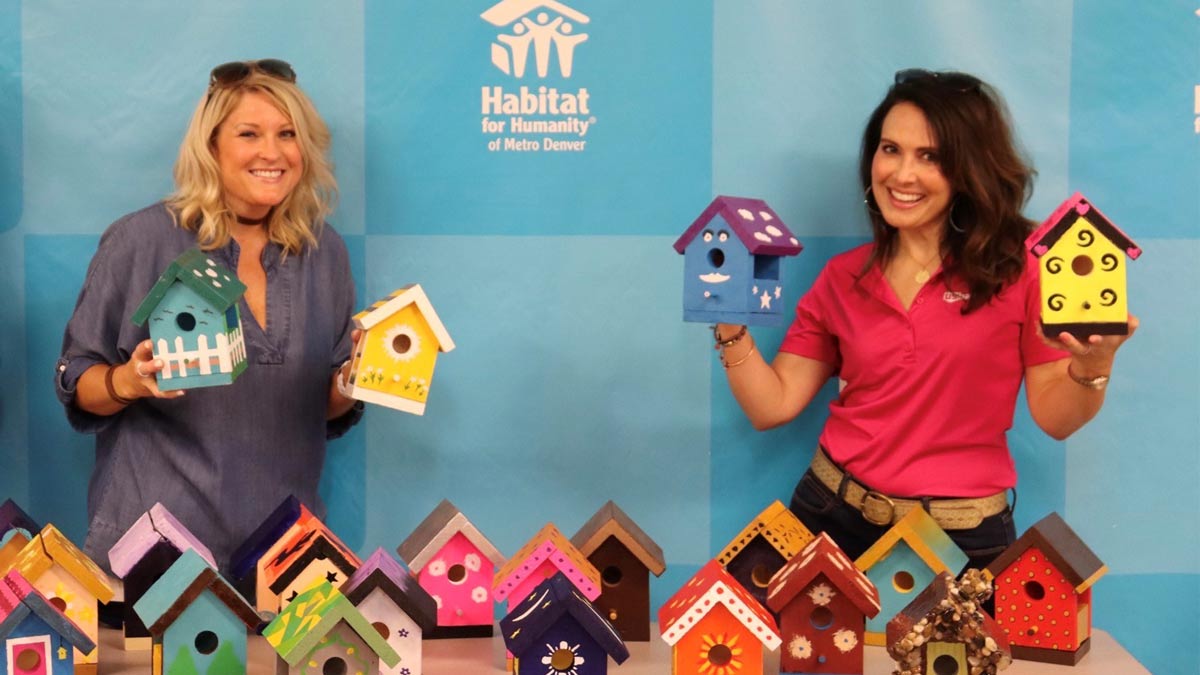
<point x="140" y="372"/>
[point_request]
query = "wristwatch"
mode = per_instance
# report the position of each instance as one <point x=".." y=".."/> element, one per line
<point x="1099" y="382"/>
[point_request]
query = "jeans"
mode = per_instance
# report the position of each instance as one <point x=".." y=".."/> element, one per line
<point x="821" y="510"/>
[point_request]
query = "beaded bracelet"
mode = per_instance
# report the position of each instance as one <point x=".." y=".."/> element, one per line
<point x="112" y="391"/>
<point x="722" y="344"/>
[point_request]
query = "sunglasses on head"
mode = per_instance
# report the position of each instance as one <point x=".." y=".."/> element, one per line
<point x="229" y="74"/>
<point x="960" y="82"/>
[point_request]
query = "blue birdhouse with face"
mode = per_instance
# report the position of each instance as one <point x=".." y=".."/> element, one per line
<point x="194" y="323"/>
<point x="731" y="263"/>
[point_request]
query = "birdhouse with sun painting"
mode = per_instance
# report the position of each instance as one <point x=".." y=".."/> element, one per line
<point x="393" y="363"/>
<point x="1082" y="259"/>
<point x="732" y="258"/>
<point x="556" y="631"/>
<point x="35" y="637"/>
<point x="195" y="324"/>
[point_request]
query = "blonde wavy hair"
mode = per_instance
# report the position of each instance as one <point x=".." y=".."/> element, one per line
<point x="198" y="202"/>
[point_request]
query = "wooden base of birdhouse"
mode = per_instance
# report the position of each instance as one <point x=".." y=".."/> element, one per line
<point x="454" y="632"/>
<point x="875" y="639"/>
<point x="86" y="668"/>
<point x="736" y="318"/>
<point x="1081" y="331"/>
<point x="1055" y="656"/>
<point x="388" y="400"/>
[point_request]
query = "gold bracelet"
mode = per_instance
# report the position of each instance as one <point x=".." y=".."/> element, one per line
<point x="740" y="361"/>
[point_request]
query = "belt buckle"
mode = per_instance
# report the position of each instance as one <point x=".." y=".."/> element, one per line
<point x="873" y="497"/>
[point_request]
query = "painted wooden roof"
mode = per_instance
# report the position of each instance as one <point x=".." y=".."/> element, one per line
<point x="398" y="300"/>
<point x="193" y="268"/>
<point x="313" y="540"/>
<point x="778" y="526"/>
<point x="12" y="516"/>
<point x="19" y="599"/>
<point x="1053" y="228"/>
<point x="711" y="586"/>
<point x="298" y="629"/>
<point x="547" y="544"/>
<point x="755" y="223"/>
<point x="438" y="528"/>
<point x="382" y="571"/>
<point x="953" y="611"/>
<point x="277" y="524"/>
<point x="541" y="610"/>
<point x="823" y="556"/>
<point x="926" y="538"/>
<point x="154" y="526"/>
<point x="180" y="585"/>
<point x="611" y="521"/>
<point x="51" y="547"/>
<point x="1061" y="546"/>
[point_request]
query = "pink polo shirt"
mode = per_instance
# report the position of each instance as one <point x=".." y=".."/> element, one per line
<point x="928" y="393"/>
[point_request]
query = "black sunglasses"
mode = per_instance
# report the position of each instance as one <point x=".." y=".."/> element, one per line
<point x="960" y="82"/>
<point x="229" y="74"/>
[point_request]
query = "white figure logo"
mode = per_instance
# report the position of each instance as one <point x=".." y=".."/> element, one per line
<point x="511" y="51"/>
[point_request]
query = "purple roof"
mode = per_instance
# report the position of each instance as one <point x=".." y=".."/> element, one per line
<point x="154" y="526"/>
<point x="381" y="570"/>
<point x="756" y="225"/>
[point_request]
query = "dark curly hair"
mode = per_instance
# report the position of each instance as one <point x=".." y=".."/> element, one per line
<point x="989" y="178"/>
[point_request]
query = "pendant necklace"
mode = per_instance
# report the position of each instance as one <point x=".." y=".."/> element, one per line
<point x="924" y="274"/>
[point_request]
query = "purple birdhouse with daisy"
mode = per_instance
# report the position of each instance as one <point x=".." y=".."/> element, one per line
<point x="732" y="257"/>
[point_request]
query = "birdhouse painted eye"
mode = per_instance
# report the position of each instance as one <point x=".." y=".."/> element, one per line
<point x="1082" y="265"/>
<point x="723" y="236"/>
<point x="708" y="236"/>
<point x="186" y="321"/>
<point x="401" y="342"/>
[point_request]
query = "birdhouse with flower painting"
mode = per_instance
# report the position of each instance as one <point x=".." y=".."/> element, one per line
<point x="732" y="257"/>
<point x="195" y="323"/>
<point x="393" y="362"/>
<point x="714" y="627"/>
<point x="396" y="605"/>
<point x="1083" y="282"/>
<point x="556" y="630"/>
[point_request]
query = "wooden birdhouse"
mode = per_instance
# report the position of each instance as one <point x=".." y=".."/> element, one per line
<point x="69" y="580"/>
<point x="195" y="323"/>
<point x="762" y="547"/>
<point x="310" y="554"/>
<point x="16" y="529"/>
<point x="323" y="632"/>
<point x="393" y="364"/>
<point x="143" y="554"/>
<point x="36" y="638"/>
<point x="944" y="630"/>
<point x="264" y="599"/>
<point x="713" y="625"/>
<point x="557" y="630"/>
<point x="542" y="556"/>
<point x="731" y="263"/>
<point x="455" y="564"/>
<point x="626" y="557"/>
<point x="243" y="564"/>
<point x="198" y="621"/>
<point x="1083" y="282"/>
<point x="1044" y="592"/>
<point x="823" y="602"/>
<point x="396" y="605"/>
<point x="904" y="560"/>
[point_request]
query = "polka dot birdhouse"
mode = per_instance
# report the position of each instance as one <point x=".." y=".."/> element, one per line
<point x="393" y="362"/>
<point x="195" y="323"/>
<point x="1081" y="256"/>
<point x="731" y="263"/>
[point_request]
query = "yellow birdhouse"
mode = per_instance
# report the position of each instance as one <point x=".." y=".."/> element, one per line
<point x="1083" y="282"/>
<point x="393" y="362"/>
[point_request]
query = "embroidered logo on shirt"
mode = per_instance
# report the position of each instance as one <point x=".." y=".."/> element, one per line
<point x="951" y="297"/>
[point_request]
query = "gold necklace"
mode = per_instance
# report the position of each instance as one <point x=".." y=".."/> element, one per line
<point x="923" y="274"/>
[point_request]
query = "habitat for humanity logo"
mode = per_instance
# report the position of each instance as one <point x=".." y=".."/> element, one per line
<point x="535" y="118"/>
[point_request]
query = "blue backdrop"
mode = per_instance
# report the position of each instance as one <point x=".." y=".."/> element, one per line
<point x="548" y="252"/>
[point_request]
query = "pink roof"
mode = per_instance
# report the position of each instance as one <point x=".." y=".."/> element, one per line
<point x="710" y="586"/>
<point x="548" y="544"/>
<point x="154" y="526"/>
<point x="823" y="556"/>
<point x="1051" y="229"/>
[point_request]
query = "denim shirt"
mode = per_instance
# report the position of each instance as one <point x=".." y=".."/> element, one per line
<point x="219" y="458"/>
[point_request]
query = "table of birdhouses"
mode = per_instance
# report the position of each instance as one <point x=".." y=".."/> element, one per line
<point x="480" y="656"/>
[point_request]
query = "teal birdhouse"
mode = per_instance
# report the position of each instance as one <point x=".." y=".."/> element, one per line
<point x="195" y="323"/>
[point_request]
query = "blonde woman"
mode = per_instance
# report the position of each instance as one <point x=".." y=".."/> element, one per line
<point x="254" y="185"/>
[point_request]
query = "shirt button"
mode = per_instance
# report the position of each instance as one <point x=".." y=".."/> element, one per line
<point x="62" y="369"/>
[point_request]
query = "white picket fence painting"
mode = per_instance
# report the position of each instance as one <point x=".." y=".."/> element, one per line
<point x="225" y="355"/>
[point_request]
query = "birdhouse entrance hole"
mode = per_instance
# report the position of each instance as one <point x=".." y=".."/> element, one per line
<point x="821" y="618"/>
<point x="381" y="628"/>
<point x="761" y="576"/>
<point x="562" y="660"/>
<point x="903" y="581"/>
<point x="716" y="258"/>
<point x="334" y="666"/>
<point x="456" y="574"/>
<point x="28" y="660"/>
<point x="719" y="655"/>
<point x="1082" y="265"/>
<point x="401" y="343"/>
<point x="1035" y="590"/>
<point x="206" y="642"/>
<point x="59" y="604"/>
<point x="185" y="321"/>
<point x="945" y="665"/>
<point x="612" y="575"/>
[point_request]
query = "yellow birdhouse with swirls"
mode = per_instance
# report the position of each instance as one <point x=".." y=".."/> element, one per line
<point x="394" y="359"/>
<point x="1083" y="282"/>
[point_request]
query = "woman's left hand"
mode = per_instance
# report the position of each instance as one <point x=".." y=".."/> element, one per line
<point x="1093" y="357"/>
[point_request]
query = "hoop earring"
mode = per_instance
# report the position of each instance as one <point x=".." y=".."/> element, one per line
<point x="950" y="221"/>
<point x="868" y="199"/>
